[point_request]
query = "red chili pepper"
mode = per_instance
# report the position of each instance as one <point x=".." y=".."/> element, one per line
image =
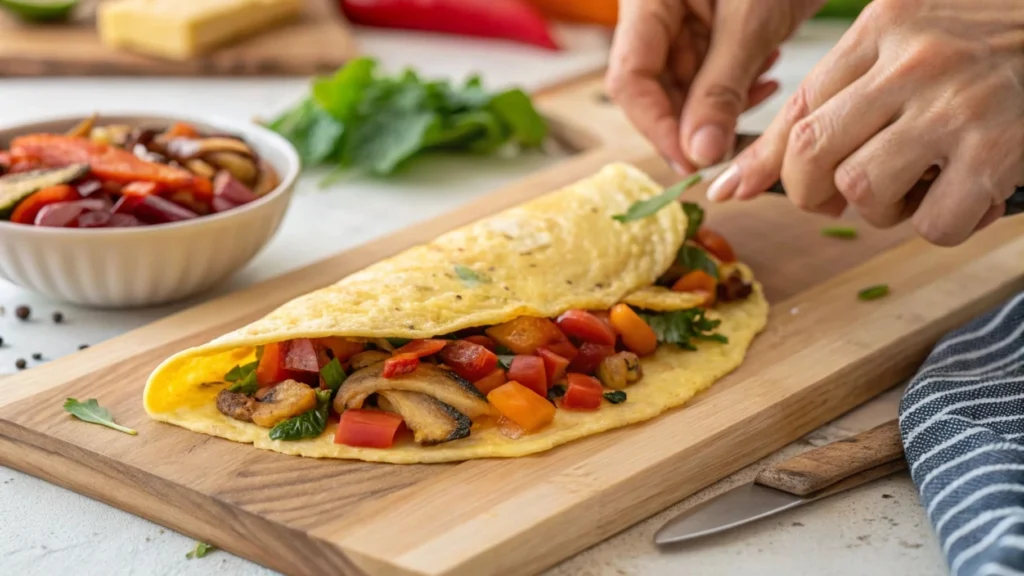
<point x="505" y="19"/>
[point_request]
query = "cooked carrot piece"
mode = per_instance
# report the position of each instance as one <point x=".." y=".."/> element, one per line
<point x="522" y="406"/>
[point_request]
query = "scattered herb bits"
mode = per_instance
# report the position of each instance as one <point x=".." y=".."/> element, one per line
<point x="554" y="392"/>
<point x="23" y="312"/>
<point x="20" y="364"/>
<point x="58" y="317"/>
<point x="839" y="232"/>
<point x="37" y="355"/>
<point x="616" y="397"/>
<point x="201" y="550"/>
<point x="83" y="346"/>
<point x="873" y="292"/>
<point x="91" y="411"/>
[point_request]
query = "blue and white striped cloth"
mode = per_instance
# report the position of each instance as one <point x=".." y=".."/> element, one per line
<point x="962" y="422"/>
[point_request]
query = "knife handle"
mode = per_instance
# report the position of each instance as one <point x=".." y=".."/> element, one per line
<point x="849" y="459"/>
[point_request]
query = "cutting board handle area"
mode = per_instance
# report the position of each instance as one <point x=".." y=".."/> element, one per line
<point x="820" y="468"/>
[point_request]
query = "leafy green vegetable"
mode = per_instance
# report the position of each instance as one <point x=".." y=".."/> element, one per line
<point x="398" y="342"/>
<point x="91" y="411"/>
<point x="243" y="377"/>
<point x="307" y="425"/>
<point x="644" y="208"/>
<point x="681" y="327"/>
<point x="201" y="550"/>
<point x="873" y="292"/>
<point x="470" y="277"/>
<point x="694" y="218"/>
<point x="333" y="375"/>
<point x="505" y="360"/>
<point x="239" y="372"/>
<point x="839" y="231"/>
<point x="502" y="350"/>
<point x="615" y="397"/>
<point x="361" y="119"/>
<point x="555" y="392"/>
<point x="695" y="258"/>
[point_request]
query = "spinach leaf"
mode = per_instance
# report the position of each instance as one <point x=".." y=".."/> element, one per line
<point x="694" y="218"/>
<point x="615" y="397"/>
<point x="644" y="208"/>
<point x="243" y="377"/>
<point x="308" y="425"/>
<point x="695" y="258"/>
<point x="91" y="411"/>
<point x="514" y="108"/>
<point x="505" y="360"/>
<point x="681" y="327"/>
<point x="333" y="375"/>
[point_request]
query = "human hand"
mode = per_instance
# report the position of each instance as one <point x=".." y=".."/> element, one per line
<point x="684" y="70"/>
<point x="923" y="87"/>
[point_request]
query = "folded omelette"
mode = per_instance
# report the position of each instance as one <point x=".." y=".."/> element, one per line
<point x="542" y="324"/>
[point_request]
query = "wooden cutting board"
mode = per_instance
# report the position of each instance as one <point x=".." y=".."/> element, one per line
<point x="823" y="353"/>
<point x="318" y="42"/>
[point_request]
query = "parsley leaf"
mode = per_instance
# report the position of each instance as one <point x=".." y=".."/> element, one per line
<point x="695" y="258"/>
<point x="308" y="425"/>
<point x="470" y="277"/>
<point x="91" y="411"/>
<point x="694" y="218"/>
<point x="681" y="327"/>
<point x="333" y="375"/>
<point x="644" y="208"/>
<point x="615" y="397"/>
<point x="201" y="550"/>
<point x="505" y="360"/>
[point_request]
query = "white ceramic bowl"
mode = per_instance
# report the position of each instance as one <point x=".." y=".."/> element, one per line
<point x="147" y="265"/>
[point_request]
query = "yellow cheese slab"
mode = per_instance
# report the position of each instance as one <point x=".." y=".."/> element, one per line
<point x="183" y="29"/>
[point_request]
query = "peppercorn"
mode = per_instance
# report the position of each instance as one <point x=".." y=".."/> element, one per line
<point x="23" y="312"/>
<point x="37" y="356"/>
<point x="20" y="363"/>
<point x="58" y="317"/>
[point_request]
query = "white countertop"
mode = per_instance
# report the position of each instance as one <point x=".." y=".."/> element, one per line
<point x="877" y="529"/>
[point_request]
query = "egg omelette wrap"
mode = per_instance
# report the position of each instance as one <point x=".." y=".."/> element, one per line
<point x="539" y="325"/>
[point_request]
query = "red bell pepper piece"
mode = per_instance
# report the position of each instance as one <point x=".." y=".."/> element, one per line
<point x="367" y="428"/>
<point x="140" y="189"/>
<point x="422" y="348"/>
<point x="107" y="162"/>
<point x="271" y="370"/>
<point x="482" y="340"/>
<point x="469" y="360"/>
<point x="301" y="356"/>
<point x="502" y="19"/>
<point x="400" y="364"/>
<point x="491" y="381"/>
<point x="554" y="365"/>
<point x="529" y="371"/>
<point x="342" y="348"/>
<point x="28" y="209"/>
<point x="583" y="393"/>
<point x="565" y="349"/>
<point x="590" y="357"/>
<point x="587" y="327"/>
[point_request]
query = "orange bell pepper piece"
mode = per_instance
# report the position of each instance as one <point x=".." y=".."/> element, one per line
<point x="636" y="334"/>
<point x="522" y="406"/>
<point x="698" y="282"/>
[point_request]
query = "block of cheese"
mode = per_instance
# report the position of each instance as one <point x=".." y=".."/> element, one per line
<point x="183" y="29"/>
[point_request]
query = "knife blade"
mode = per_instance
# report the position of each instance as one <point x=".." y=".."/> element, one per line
<point x="811" y="476"/>
<point x="1014" y="204"/>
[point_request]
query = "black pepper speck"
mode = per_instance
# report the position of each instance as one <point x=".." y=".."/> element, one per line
<point x="37" y="356"/>
<point x="58" y="317"/>
<point x="23" y="312"/>
<point x="83" y="346"/>
<point x="20" y="364"/>
<point x="1" y="341"/>
<point x="458" y="296"/>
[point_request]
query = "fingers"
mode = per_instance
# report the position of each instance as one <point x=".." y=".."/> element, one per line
<point x="640" y="53"/>
<point x="948" y="215"/>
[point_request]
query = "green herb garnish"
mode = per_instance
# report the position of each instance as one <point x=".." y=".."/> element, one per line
<point x="555" y="392"/>
<point x="201" y="550"/>
<point x="470" y="277"/>
<point x="364" y="120"/>
<point x="398" y="342"/>
<point x="91" y="411"/>
<point x="502" y="350"/>
<point x="333" y="375"/>
<point x="694" y="218"/>
<point x="615" y="397"/>
<point x="695" y="258"/>
<point x="839" y="232"/>
<point x="681" y="327"/>
<point x="645" y="208"/>
<point x="308" y="425"/>
<point x="505" y="360"/>
<point x="873" y="292"/>
<point x="239" y="372"/>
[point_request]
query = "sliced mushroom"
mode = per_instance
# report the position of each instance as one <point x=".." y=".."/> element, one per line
<point x="287" y="399"/>
<point x="185" y="148"/>
<point x="200" y="167"/>
<point x="267" y="179"/>
<point x="83" y="128"/>
<point x="367" y="358"/>
<point x="619" y="370"/>
<point x="240" y="166"/>
<point x="236" y="405"/>
<point x="428" y="379"/>
<point x="431" y="421"/>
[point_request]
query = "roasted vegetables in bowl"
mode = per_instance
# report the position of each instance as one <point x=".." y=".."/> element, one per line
<point x="137" y="210"/>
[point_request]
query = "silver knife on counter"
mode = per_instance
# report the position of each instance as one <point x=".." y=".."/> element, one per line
<point x="810" y="476"/>
<point x="1014" y="205"/>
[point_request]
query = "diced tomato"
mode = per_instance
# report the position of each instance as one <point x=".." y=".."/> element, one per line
<point x="565" y="349"/>
<point x="469" y="360"/>
<point x="482" y="340"/>
<point x="590" y="357"/>
<point x="5" y="159"/>
<point x="491" y="381"/>
<point x="636" y="334"/>
<point x="525" y="334"/>
<point x="716" y="244"/>
<point x="583" y="393"/>
<point x="400" y="364"/>
<point x="301" y="356"/>
<point x="522" y="406"/>
<point x="529" y="371"/>
<point x="698" y="282"/>
<point x="554" y="365"/>
<point x="342" y="348"/>
<point x="182" y="130"/>
<point x="587" y="327"/>
<point x="271" y="370"/>
<point x="27" y="209"/>
<point x="367" y="428"/>
<point x="422" y="348"/>
<point x="140" y="189"/>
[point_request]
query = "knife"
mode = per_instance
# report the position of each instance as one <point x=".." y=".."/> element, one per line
<point x="813" y="475"/>
<point x="1014" y="204"/>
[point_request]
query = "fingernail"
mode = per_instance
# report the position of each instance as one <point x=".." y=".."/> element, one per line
<point x="678" y="169"/>
<point x="725" y="185"/>
<point x="708" y="145"/>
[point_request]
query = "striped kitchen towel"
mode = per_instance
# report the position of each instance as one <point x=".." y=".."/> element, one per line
<point x="962" y="422"/>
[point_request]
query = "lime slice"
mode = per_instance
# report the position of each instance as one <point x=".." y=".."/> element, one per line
<point x="40" y="10"/>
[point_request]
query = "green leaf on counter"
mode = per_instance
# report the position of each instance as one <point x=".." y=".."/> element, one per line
<point x="91" y="411"/>
<point x="644" y="208"/>
<point x="873" y="292"/>
<point x="615" y="397"/>
<point x="470" y="277"/>
<point x="308" y="425"/>
<point x="696" y="258"/>
<point x="694" y="218"/>
<point x="681" y="327"/>
<point x="201" y="550"/>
